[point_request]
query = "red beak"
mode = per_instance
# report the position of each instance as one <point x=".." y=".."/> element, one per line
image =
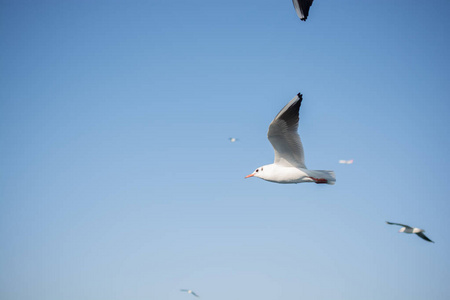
<point x="251" y="175"/>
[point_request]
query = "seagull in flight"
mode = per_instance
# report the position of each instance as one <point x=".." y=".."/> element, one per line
<point x="348" y="162"/>
<point x="408" y="229"/>
<point x="190" y="292"/>
<point x="289" y="164"/>
<point x="232" y="139"/>
<point x="302" y="8"/>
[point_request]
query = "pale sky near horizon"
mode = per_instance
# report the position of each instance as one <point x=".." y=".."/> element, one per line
<point x="118" y="181"/>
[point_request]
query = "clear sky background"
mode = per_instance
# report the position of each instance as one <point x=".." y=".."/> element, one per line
<point x="117" y="179"/>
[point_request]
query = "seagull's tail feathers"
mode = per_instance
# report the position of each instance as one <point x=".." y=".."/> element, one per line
<point x="329" y="176"/>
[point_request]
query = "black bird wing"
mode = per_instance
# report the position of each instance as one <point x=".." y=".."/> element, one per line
<point x="423" y="236"/>
<point x="302" y="8"/>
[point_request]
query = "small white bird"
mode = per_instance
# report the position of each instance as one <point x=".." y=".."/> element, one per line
<point x="302" y="8"/>
<point x="289" y="165"/>
<point x="232" y="139"/>
<point x="190" y="292"/>
<point x="348" y="162"/>
<point x="408" y="229"/>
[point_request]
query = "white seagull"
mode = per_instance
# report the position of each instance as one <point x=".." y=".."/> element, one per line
<point x="302" y="8"/>
<point x="348" y="162"/>
<point x="232" y="139"/>
<point x="289" y="165"/>
<point x="190" y="292"/>
<point x="408" y="229"/>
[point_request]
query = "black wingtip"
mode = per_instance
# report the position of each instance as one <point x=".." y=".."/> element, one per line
<point x="300" y="97"/>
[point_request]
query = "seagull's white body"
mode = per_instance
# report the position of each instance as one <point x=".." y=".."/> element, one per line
<point x="282" y="174"/>
<point x="289" y="164"/>
<point x="410" y="230"/>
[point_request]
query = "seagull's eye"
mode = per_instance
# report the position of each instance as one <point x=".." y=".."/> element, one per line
<point x="257" y="170"/>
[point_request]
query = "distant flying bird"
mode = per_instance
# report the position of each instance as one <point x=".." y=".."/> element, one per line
<point x="190" y="292"/>
<point x="233" y="139"/>
<point x="302" y="8"/>
<point x="289" y="165"/>
<point x="408" y="229"/>
<point x="348" y="162"/>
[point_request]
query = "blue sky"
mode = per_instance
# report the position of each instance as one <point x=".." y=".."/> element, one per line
<point x="118" y="180"/>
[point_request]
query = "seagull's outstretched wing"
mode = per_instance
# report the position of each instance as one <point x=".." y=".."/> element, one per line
<point x="184" y="290"/>
<point x="195" y="294"/>
<point x="398" y="224"/>
<point x="423" y="236"/>
<point x="302" y="8"/>
<point x="284" y="137"/>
